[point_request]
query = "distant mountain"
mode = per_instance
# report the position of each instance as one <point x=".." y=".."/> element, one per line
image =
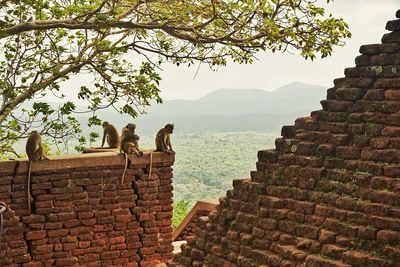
<point x="236" y="109"/>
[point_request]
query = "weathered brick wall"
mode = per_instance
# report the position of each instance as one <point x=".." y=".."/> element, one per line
<point x="82" y="215"/>
<point x="191" y="227"/>
<point x="329" y="194"/>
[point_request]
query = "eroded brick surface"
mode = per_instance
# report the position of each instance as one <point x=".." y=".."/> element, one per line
<point x="84" y="216"/>
<point x="329" y="194"/>
<point x="190" y="229"/>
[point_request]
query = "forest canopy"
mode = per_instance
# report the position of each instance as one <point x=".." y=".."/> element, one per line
<point x="121" y="45"/>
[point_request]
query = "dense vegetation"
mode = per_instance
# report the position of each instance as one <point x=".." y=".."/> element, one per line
<point x="181" y="209"/>
<point x="207" y="163"/>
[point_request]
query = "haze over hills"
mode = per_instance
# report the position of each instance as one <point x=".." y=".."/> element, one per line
<point x="226" y="110"/>
<point x="223" y="110"/>
<point x="230" y="110"/>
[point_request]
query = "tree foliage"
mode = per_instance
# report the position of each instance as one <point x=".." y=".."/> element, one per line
<point x="181" y="209"/>
<point x="121" y="44"/>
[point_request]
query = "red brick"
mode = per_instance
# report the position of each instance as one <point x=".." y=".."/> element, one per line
<point x="33" y="218"/>
<point x="388" y="237"/>
<point x="90" y="257"/>
<point x="66" y="261"/>
<point x="147" y="251"/>
<point x="58" y="232"/>
<point x="44" y="249"/>
<point x="110" y="255"/>
<point x="85" y="215"/>
<point x="145" y="217"/>
<point x="84" y="244"/>
<point x="71" y="223"/>
<point x="16" y="252"/>
<point x="117" y="239"/>
<point x="53" y="226"/>
<point x="88" y="222"/>
<point x="35" y="235"/>
<point x="124" y="218"/>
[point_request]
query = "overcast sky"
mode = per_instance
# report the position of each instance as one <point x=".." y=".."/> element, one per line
<point x="367" y="20"/>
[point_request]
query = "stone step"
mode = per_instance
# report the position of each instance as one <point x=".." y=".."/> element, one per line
<point x="393" y="25"/>
<point x="308" y="161"/>
<point x="185" y="250"/>
<point x="247" y="189"/>
<point x="306" y="123"/>
<point x="283" y="145"/>
<point x="354" y="82"/>
<point x="291" y="253"/>
<point x="264" y="256"/>
<point x="375" y="49"/>
<point x="288" y="192"/>
<point x="268" y="155"/>
<point x="371" y="199"/>
<point x="327" y="185"/>
<point x="363" y="258"/>
<point x="308" y="244"/>
<point x="357" y="213"/>
<point x="180" y="261"/>
<point x="313" y="136"/>
<point x="288" y="131"/>
<point x="333" y="251"/>
<point x="259" y="176"/>
<point x="321" y="260"/>
<point x="323" y="115"/>
<point x="304" y="148"/>
<point x="336" y="105"/>
<point x="393" y="253"/>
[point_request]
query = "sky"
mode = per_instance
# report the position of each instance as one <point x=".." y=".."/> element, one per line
<point x="366" y="18"/>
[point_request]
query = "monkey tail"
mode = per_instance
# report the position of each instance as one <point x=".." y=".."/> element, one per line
<point x="151" y="164"/>
<point x="126" y="166"/>
<point x="15" y="167"/>
<point x="29" y="186"/>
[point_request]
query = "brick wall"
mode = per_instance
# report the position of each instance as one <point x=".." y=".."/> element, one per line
<point x="82" y="215"/>
<point x="329" y="193"/>
<point x="191" y="227"/>
<point x="188" y="227"/>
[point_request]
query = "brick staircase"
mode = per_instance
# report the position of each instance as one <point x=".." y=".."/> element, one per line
<point x="329" y="193"/>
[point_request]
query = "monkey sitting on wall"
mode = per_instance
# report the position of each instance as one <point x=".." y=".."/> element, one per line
<point x="34" y="150"/>
<point x="111" y="133"/>
<point x="129" y="129"/>
<point x="163" y="139"/>
<point x="129" y="144"/>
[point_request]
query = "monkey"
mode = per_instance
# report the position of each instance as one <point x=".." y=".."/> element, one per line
<point x="128" y="130"/>
<point x="34" y="150"/>
<point x="163" y="139"/>
<point x="112" y="135"/>
<point x="129" y="145"/>
<point x="163" y="143"/>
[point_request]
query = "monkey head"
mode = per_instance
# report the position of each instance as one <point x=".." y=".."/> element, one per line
<point x="105" y="124"/>
<point x="170" y="128"/>
<point x="131" y="127"/>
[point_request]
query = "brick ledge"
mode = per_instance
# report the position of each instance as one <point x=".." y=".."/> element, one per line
<point x="83" y="160"/>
